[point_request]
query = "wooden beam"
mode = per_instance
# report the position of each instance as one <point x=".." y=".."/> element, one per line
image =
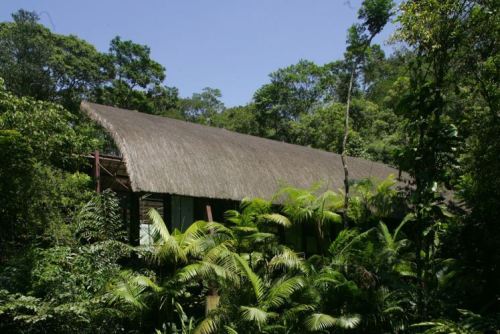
<point x="114" y="177"/>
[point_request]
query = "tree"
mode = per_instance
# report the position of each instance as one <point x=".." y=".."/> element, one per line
<point x="66" y="289"/>
<point x="476" y="67"/>
<point x="38" y="63"/>
<point x="433" y="107"/>
<point x="133" y="66"/>
<point x="135" y="76"/>
<point x="178" y="258"/>
<point x="375" y="14"/>
<point x="16" y="182"/>
<point x="25" y="51"/>
<point x="241" y="119"/>
<point x="204" y="107"/>
<point x="304" y="207"/>
<point x="52" y="131"/>
<point x="42" y="153"/>
<point x="292" y="92"/>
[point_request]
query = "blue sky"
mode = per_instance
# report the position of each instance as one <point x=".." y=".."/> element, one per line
<point x="228" y="44"/>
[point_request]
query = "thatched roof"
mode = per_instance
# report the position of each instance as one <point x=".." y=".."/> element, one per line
<point x="164" y="155"/>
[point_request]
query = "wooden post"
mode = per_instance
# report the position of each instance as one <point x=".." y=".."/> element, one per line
<point x="167" y="211"/>
<point x="97" y="171"/>
<point x="209" y="213"/>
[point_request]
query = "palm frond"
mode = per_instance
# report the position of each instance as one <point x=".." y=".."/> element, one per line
<point x="209" y="325"/>
<point x="283" y="290"/>
<point x="259" y="237"/>
<point x="329" y="277"/>
<point x="245" y="229"/>
<point x="229" y="330"/>
<point x="158" y="224"/>
<point x="444" y="327"/>
<point x="385" y="235"/>
<point x="254" y="314"/>
<point x="287" y="259"/>
<point x="276" y="218"/>
<point x="401" y="225"/>
<point x="331" y="217"/>
<point x="292" y="313"/>
<point x="345" y="241"/>
<point x="233" y="216"/>
<point x="129" y="288"/>
<point x="205" y="270"/>
<point x="251" y="276"/>
<point x="320" y="321"/>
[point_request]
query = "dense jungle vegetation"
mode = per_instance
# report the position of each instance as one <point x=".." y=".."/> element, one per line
<point x="389" y="261"/>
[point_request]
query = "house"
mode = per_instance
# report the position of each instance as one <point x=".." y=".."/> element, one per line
<point x="190" y="171"/>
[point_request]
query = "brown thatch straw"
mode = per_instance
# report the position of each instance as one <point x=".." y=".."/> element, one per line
<point x="165" y="155"/>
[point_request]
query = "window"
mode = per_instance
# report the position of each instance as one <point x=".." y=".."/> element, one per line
<point x="182" y="212"/>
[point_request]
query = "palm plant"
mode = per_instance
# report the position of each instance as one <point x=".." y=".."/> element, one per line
<point x="256" y="225"/>
<point x="352" y="279"/>
<point x="391" y="251"/>
<point x="305" y="207"/>
<point x="326" y="288"/>
<point x="260" y="301"/>
<point x="469" y="323"/>
<point x="373" y="200"/>
<point x="176" y="256"/>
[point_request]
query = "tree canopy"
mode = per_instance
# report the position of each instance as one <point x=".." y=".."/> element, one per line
<point x="385" y="259"/>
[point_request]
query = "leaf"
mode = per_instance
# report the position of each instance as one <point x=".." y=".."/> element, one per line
<point x="287" y="259"/>
<point x="332" y="217"/>
<point x="283" y="290"/>
<point x="230" y="330"/>
<point x="277" y="219"/>
<point x="320" y="321"/>
<point x="209" y="325"/>
<point x="158" y="224"/>
<point x="252" y="277"/>
<point x="254" y="314"/>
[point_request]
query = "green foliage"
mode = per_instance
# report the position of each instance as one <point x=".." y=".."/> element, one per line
<point x="305" y="207"/>
<point x="470" y="323"/>
<point x="99" y="219"/>
<point x="67" y="288"/>
<point x="408" y="256"/>
<point x="132" y="64"/>
<point x="241" y="119"/>
<point x="16" y="179"/>
<point x="440" y="100"/>
<point x="46" y="66"/>
<point x="135" y="79"/>
<point x="203" y="107"/>
<point x="47" y="128"/>
<point x="375" y="14"/>
<point x="38" y="141"/>
<point x="293" y="91"/>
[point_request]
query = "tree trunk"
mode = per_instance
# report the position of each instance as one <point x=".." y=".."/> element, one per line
<point x="344" y="147"/>
<point x="212" y="299"/>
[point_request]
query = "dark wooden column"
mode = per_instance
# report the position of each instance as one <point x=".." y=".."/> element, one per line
<point x="167" y="211"/>
<point x="303" y="240"/>
<point x="134" y="224"/>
